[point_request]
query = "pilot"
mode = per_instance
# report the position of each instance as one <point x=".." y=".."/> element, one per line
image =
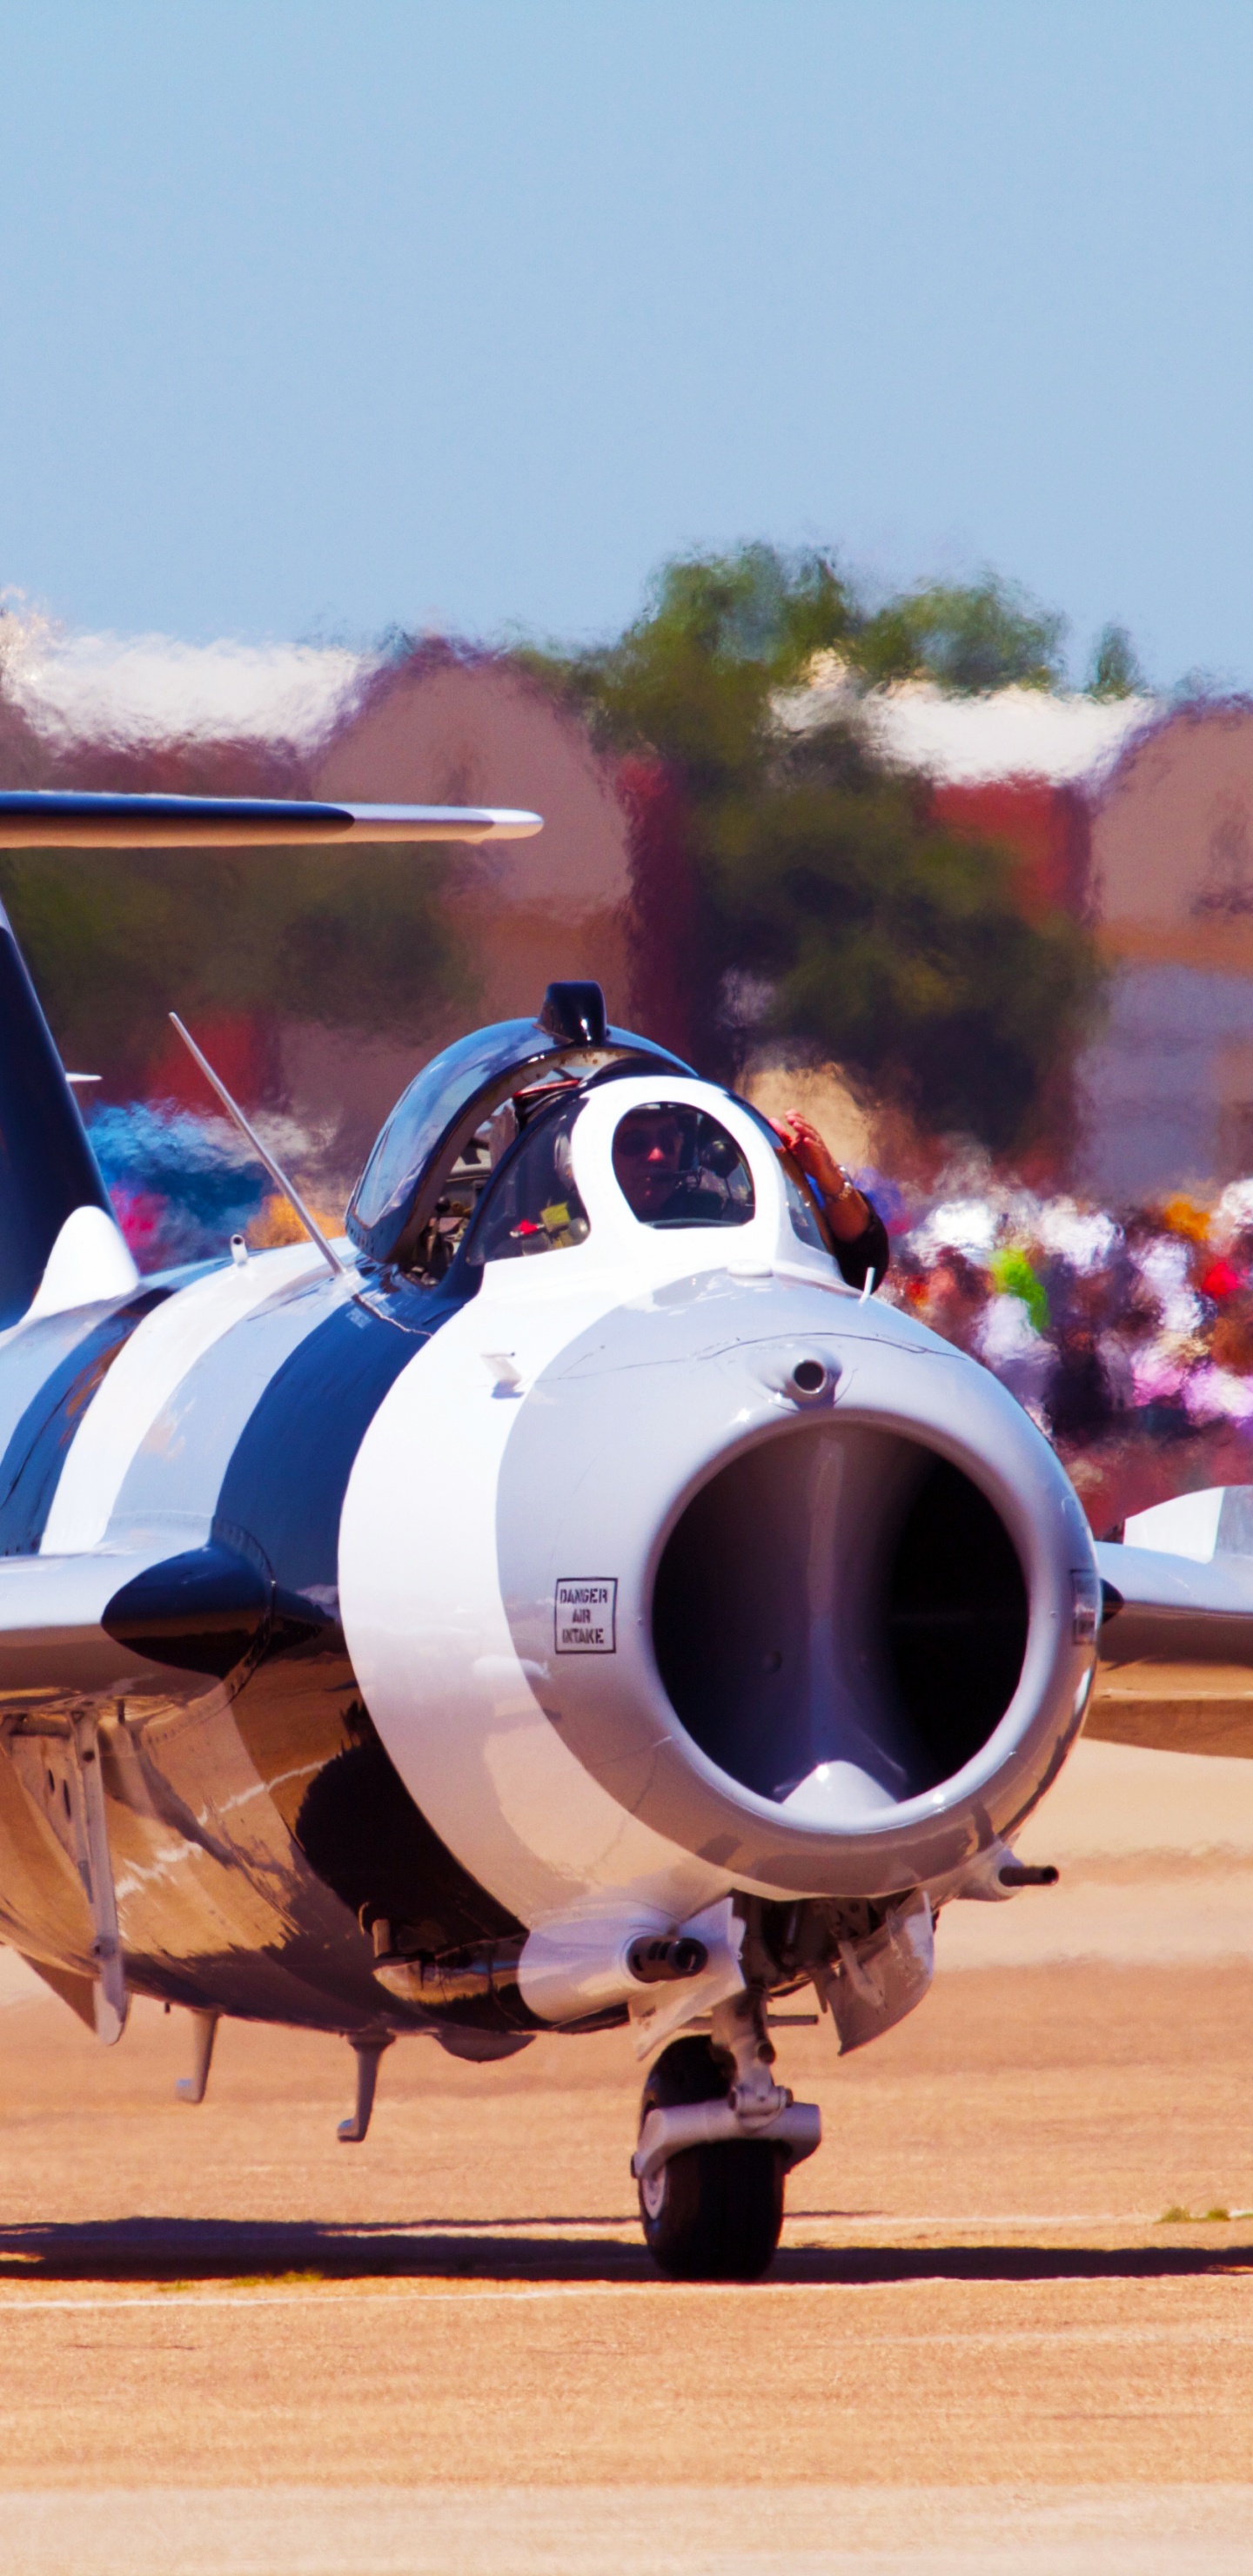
<point x="859" y="1235"/>
<point x="650" y="1156"/>
<point x="648" y="1160"/>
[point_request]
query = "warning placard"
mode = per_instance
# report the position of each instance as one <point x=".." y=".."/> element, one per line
<point x="585" y="1614"/>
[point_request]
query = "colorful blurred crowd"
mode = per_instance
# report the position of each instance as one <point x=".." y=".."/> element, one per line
<point x="1125" y="1336"/>
<point x="183" y="1184"/>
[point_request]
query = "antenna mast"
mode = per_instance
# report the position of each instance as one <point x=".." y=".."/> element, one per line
<point x="275" y="1170"/>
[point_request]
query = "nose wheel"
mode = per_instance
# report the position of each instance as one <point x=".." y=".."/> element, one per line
<point x="711" y="2212"/>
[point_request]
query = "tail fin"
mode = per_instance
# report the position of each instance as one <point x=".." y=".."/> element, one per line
<point x="60" y="1244"/>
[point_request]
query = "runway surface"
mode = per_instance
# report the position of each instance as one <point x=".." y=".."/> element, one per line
<point x="232" y="2343"/>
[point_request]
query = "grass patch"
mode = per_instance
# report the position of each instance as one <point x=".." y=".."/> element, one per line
<point x="1177" y="2217"/>
<point x="275" y="2280"/>
<point x="243" y="2281"/>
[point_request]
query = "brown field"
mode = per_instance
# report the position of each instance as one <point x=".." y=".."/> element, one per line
<point x="234" y="2344"/>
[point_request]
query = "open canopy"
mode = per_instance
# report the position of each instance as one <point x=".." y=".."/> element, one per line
<point x="457" y="1091"/>
<point x="46" y="818"/>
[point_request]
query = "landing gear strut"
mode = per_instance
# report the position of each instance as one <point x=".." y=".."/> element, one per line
<point x="712" y="2212"/>
<point x="712" y="2209"/>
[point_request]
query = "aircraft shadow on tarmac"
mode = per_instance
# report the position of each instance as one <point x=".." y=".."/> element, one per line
<point x="183" y="2249"/>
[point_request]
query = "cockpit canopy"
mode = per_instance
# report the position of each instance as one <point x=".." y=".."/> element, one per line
<point x="430" y="1161"/>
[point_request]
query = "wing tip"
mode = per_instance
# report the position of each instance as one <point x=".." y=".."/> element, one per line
<point x="53" y="818"/>
<point x="444" y="822"/>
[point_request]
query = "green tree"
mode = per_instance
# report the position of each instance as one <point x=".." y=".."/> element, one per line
<point x="693" y="678"/>
<point x="966" y="637"/>
<point x="1115" y="671"/>
<point x="822" y="883"/>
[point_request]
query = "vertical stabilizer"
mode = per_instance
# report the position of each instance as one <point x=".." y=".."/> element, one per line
<point x="60" y="1245"/>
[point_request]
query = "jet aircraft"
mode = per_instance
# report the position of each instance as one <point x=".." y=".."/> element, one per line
<point x="546" y="1607"/>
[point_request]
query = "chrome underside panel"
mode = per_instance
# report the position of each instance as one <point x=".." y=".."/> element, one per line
<point x="217" y="1903"/>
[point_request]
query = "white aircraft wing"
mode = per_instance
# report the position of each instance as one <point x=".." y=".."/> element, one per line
<point x="47" y="819"/>
<point x="1176" y="1649"/>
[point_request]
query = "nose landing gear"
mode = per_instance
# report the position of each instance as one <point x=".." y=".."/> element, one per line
<point x="717" y="2137"/>
<point x="711" y="2212"/>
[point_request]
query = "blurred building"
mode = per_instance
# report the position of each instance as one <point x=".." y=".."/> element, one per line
<point x="1138" y="817"/>
<point x="1134" y="815"/>
<point x="443" y="728"/>
<point x="434" y="726"/>
<point x="1169" y="1086"/>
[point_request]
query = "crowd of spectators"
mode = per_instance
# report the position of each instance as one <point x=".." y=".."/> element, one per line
<point x="1097" y="1323"/>
<point x="182" y="1184"/>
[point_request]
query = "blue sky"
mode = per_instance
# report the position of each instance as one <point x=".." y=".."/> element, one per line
<point x="322" y="315"/>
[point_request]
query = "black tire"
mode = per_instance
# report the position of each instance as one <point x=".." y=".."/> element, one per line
<point x="712" y="2213"/>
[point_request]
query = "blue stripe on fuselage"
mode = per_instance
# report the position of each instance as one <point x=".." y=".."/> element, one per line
<point x="285" y="1485"/>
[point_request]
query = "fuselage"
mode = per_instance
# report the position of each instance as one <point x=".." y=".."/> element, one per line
<point x="230" y="1403"/>
<point x="583" y="1591"/>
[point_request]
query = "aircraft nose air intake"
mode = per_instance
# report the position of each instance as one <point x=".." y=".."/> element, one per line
<point x="839" y="1620"/>
<point x="802" y="1599"/>
<point x="745" y="1587"/>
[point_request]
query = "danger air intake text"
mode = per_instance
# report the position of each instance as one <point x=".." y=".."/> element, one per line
<point x="585" y="1614"/>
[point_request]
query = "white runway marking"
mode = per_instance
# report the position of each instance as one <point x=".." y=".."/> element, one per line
<point x="630" y="2531"/>
<point x="190" y="2302"/>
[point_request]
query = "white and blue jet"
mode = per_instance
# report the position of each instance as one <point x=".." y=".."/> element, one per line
<point x="564" y="1602"/>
